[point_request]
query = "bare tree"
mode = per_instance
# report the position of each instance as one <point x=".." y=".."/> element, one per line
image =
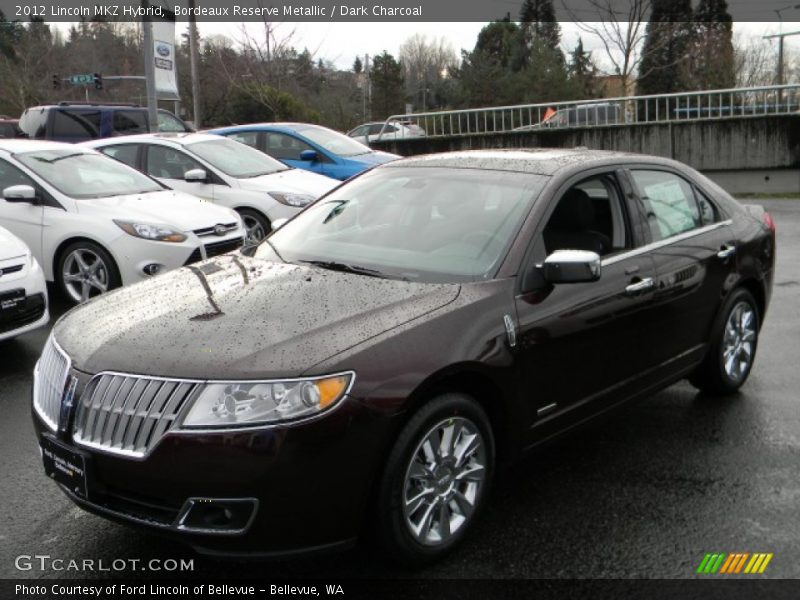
<point x="620" y="26"/>
<point x="754" y="60"/>
<point x="425" y="63"/>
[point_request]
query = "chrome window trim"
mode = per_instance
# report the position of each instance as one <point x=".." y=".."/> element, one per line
<point x="665" y="242"/>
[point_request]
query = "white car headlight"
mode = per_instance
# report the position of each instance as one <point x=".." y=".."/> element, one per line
<point x="151" y="231"/>
<point x="289" y="199"/>
<point x="245" y="403"/>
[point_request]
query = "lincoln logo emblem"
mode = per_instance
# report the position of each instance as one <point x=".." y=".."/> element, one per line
<point x="67" y="401"/>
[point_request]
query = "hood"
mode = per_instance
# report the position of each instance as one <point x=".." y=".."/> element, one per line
<point x="11" y="246"/>
<point x="376" y="157"/>
<point x="236" y="317"/>
<point x="298" y="181"/>
<point x="168" y="207"/>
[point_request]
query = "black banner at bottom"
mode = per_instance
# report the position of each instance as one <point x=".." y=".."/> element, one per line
<point x="410" y="589"/>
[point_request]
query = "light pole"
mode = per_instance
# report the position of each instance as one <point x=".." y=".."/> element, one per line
<point x="780" y="37"/>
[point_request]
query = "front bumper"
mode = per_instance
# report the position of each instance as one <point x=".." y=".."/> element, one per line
<point x="30" y="314"/>
<point x="308" y="485"/>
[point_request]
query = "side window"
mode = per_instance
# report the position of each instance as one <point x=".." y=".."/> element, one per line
<point x="11" y="175"/>
<point x="127" y="153"/>
<point x="169" y="122"/>
<point x="359" y="131"/>
<point x="169" y="163"/>
<point x="589" y="216"/>
<point x="83" y="124"/>
<point x="669" y="203"/>
<point x="246" y="137"/>
<point x="285" y="147"/>
<point x="708" y="212"/>
<point x="128" y="122"/>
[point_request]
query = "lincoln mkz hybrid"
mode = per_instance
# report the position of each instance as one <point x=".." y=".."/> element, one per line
<point x="365" y="370"/>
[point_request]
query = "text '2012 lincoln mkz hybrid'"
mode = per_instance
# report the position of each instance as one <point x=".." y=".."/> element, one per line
<point x="376" y="358"/>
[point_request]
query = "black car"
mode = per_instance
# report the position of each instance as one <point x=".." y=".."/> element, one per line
<point x="74" y="122"/>
<point x="380" y="354"/>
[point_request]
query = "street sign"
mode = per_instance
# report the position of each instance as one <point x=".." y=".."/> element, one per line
<point x="83" y="79"/>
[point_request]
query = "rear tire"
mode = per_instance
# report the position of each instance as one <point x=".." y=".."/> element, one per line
<point x="436" y="480"/>
<point x="733" y="345"/>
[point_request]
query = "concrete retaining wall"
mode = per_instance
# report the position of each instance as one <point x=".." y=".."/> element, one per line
<point x="746" y="155"/>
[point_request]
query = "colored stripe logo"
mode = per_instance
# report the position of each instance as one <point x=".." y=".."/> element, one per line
<point x="720" y="563"/>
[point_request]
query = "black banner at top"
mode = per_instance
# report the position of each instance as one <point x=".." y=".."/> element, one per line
<point x="360" y="10"/>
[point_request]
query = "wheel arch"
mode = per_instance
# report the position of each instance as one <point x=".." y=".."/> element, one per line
<point x="63" y="244"/>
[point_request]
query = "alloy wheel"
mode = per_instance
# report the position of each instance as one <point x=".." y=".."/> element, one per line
<point x="254" y="231"/>
<point x="85" y="274"/>
<point x="444" y="481"/>
<point x="739" y="341"/>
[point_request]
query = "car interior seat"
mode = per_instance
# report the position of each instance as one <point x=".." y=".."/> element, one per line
<point x="572" y="225"/>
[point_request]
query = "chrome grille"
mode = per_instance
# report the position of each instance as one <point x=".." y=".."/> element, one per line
<point x="224" y="228"/>
<point x="128" y="414"/>
<point x="49" y="379"/>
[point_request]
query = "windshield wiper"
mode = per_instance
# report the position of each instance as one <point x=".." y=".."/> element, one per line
<point x="345" y="268"/>
<point x="58" y="158"/>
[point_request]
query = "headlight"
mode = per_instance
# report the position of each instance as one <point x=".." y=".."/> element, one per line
<point x="297" y="200"/>
<point x="150" y="231"/>
<point x="265" y="402"/>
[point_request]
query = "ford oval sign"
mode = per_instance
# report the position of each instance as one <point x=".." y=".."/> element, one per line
<point x="163" y="50"/>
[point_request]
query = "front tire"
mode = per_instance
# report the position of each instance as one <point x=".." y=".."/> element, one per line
<point x="256" y="226"/>
<point x="436" y="480"/>
<point x="733" y="346"/>
<point x="85" y="270"/>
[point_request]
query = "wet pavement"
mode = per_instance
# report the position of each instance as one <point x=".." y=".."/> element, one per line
<point x="645" y="492"/>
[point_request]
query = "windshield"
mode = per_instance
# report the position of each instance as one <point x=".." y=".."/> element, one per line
<point x="334" y="142"/>
<point x="236" y="159"/>
<point x="87" y="175"/>
<point x="420" y="224"/>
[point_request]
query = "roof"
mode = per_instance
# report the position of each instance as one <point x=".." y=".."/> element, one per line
<point x="17" y="145"/>
<point x="181" y="138"/>
<point x="278" y="126"/>
<point x="540" y="161"/>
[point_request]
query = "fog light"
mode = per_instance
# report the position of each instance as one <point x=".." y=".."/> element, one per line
<point x="153" y="269"/>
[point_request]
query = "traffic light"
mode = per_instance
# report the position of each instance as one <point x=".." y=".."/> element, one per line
<point x="98" y="81"/>
<point x="56" y="82"/>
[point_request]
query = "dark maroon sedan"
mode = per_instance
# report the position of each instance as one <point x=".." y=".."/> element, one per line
<point x="376" y="358"/>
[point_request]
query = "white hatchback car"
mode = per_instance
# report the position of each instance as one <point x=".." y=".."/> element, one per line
<point x="262" y="189"/>
<point x="23" y="293"/>
<point x="94" y="223"/>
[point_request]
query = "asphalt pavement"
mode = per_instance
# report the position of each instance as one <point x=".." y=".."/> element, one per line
<point x="644" y="493"/>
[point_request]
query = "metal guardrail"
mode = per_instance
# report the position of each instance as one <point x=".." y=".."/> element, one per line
<point x="606" y="112"/>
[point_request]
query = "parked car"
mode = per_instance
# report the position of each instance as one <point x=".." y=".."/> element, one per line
<point x="80" y="121"/>
<point x="23" y="293"/>
<point x="310" y="147"/>
<point x="9" y="128"/>
<point x="384" y="350"/>
<point x="222" y="171"/>
<point x="94" y="224"/>
<point x="380" y="130"/>
<point x="584" y="115"/>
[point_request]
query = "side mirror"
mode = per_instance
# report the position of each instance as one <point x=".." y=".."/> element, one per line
<point x="196" y="175"/>
<point x="308" y="155"/>
<point x="19" y="193"/>
<point x="278" y="223"/>
<point x="571" y="266"/>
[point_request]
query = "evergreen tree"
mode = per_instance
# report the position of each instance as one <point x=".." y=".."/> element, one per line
<point x="582" y="72"/>
<point x="357" y="66"/>
<point x="666" y="49"/>
<point x="387" y="86"/>
<point x="538" y="19"/>
<point x="712" y="64"/>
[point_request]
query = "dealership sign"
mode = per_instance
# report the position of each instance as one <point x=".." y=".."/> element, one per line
<point x="164" y="58"/>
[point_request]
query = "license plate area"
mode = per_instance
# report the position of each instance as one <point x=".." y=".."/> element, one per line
<point x="65" y="465"/>
<point x="11" y="302"/>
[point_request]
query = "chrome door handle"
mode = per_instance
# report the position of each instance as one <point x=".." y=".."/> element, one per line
<point x="644" y="285"/>
<point x="727" y="251"/>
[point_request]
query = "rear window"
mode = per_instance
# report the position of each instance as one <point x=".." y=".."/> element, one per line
<point x="76" y="124"/>
<point x="129" y="122"/>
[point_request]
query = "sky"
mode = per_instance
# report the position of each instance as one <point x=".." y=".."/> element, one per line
<point x="340" y="42"/>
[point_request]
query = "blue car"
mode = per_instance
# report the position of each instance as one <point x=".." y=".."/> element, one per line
<point x="309" y="147"/>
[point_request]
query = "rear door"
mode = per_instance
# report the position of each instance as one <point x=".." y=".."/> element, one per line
<point x="694" y="251"/>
